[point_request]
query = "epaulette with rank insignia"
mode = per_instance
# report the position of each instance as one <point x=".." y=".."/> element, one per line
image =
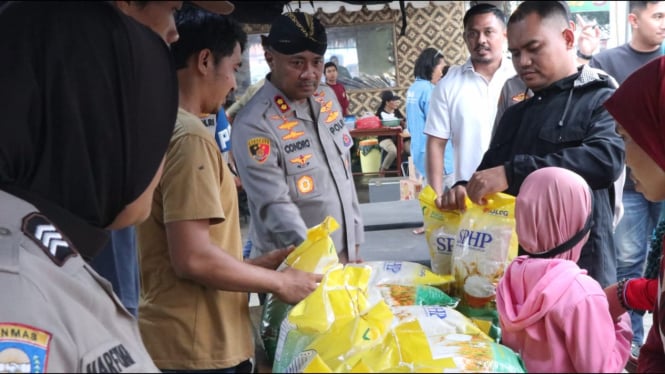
<point x="47" y="237"/>
<point x="281" y="104"/>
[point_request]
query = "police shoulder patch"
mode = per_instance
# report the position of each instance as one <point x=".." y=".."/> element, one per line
<point x="23" y="348"/>
<point x="259" y="149"/>
<point x="47" y="237"/>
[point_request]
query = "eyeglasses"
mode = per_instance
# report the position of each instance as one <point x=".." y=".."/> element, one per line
<point x="436" y="57"/>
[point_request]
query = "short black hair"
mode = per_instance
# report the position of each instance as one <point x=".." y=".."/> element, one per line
<point x="638" y="6"/>
<point x="329" y="64"/>
<point x="139" y="3"/>
<point x="544" y="9"/>
<point x="200" y="29"/>
<point x="483" y="8"/>
<point x="426" y="62"/>
<point x="566" y="7"/>
<point x="444" y="71"/>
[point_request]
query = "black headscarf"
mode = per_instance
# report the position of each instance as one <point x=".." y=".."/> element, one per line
<point x="88" y="101"/>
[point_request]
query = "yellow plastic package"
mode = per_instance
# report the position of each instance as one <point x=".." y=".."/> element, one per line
<point x="403" y="273"/>
<point x="486" y="242"/>
<point x="331" y="323"/>
<point x="317" y="254"/>
<point x="438" y="321"/>
<point x="440" y="231"/>
<point x="435" y="340"/>
<point x="420" y="294"/>
<point x="337" y="329"/>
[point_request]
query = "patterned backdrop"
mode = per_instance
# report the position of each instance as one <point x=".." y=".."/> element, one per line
<point x="438" y="25"/>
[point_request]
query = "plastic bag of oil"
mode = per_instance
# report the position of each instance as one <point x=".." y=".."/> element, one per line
<point x="403" y="273"/>
<point x="323" y="327"/>
<point x="397" y="295"/>
<point x="485" y="244"/>
<point x="338" y="329"/>
<point x="419" y="339"/>
<point x="334" y="320"/>
<point x="437" y="321"/>
<point x="435" y="340"/>
<point x="317" y="254"/>
<point x="440" y="231"/>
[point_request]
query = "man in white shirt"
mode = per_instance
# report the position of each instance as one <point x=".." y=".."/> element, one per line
<point x="464" y="102"/>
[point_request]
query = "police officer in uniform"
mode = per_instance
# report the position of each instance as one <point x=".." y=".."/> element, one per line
<point x="292" y="148"/>
<point x="89" y="100"/>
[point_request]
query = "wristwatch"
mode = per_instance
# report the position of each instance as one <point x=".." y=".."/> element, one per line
<point x="583" y="56"/>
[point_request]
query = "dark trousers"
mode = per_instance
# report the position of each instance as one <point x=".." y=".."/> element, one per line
<point x="243" y="367"/>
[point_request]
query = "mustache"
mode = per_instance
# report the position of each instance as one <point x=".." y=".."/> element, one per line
<point x="482" y="48"/>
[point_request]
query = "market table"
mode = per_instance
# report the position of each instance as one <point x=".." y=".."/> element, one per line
<point x="389" y="232"/>
<point x="390" y="215"/>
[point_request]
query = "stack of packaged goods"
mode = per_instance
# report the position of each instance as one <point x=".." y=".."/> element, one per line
<point x="381" y="316"/>
<point x="475" y="247"/>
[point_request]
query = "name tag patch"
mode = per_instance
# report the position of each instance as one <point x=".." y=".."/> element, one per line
<point x="115" y="360"/>
<point x="23" y="348"/>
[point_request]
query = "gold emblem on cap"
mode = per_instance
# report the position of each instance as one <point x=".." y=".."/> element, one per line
<point x="309" y="32"/>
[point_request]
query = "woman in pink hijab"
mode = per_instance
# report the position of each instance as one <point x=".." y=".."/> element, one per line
<point x="551" y="313"/>
<point x="638" y="107"/>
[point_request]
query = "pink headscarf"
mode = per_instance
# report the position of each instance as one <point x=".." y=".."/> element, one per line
<point x="638" y="107"/>
<point x="553" y="205"/>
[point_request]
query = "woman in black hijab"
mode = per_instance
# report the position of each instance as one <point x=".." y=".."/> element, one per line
<point x="88" y="101"/>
